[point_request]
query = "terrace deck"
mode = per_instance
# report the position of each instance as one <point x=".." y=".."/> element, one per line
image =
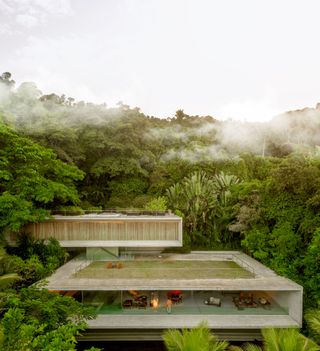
<point x="74" y="276"/>
<point x="166" y="269"/>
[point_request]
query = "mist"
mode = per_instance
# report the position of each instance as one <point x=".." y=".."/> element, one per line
<point x="192" y="138"/>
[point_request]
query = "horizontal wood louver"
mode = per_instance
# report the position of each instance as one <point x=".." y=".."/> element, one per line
<point x="104" y="230"/>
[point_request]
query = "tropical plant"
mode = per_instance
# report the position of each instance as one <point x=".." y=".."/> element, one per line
<point x="224" y="182"/>
<point x="196" y="339"/>
<point x="6" y="277"/>
<point x="157" y="204"/>
<point x="39" y="320"/>
<point x="196" y="198"/>
<point x="203" y="200"/>
<point x="287" y="339"/>
<point x="31" y="178"/>
<point x="313" y="320"/>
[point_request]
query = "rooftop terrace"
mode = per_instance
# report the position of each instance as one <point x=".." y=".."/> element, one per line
<point x="198" y="270"/>
<point x="166" y="268"/>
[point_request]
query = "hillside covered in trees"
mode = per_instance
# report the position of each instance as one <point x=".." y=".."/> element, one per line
<point x="249" y="186"/>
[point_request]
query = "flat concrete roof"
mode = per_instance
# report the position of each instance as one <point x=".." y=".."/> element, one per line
<point x="264" y="278"/>
<point x="118" y="216"/>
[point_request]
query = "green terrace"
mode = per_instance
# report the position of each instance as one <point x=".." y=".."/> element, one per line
<point x="164" y="269"/>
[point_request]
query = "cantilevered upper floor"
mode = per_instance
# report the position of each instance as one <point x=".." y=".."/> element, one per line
<point x="132" y="229"/>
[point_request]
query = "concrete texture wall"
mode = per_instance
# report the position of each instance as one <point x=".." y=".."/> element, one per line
<point x="111" y="230"/>
<point x="292" y="300"/>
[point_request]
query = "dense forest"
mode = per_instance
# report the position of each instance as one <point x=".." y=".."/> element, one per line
<point x="237" y="185"/>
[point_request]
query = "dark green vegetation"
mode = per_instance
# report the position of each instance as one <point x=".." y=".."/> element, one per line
<point x="249" y="186"/>
<point x="40" y="320"/>
<point x="35" y="319"/>
<point x="32" y="180"/>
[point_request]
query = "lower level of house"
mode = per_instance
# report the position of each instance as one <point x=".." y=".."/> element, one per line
<point x="232" y="315"/>
<point x="141" y="296"/>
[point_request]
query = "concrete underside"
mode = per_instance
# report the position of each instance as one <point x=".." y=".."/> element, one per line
<point x="131" y="328"/>
<point x="120" y="243"/>
<point x="156" y="334"/>
<point x="182" y="321"/>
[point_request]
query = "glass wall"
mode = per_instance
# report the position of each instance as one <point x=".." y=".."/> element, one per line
<point x="188" y="302"/>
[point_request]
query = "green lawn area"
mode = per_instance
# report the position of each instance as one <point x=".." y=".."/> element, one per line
<point x="166" y="269"/>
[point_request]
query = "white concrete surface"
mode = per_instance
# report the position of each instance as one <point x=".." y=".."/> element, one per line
<point x="120" y="243"/>
<point x="189" y="321"/>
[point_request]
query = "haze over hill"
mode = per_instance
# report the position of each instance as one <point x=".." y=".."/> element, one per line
<point x="193" y="138"/>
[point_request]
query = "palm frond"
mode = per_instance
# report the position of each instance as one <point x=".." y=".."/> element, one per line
<point x="7" y="279"/>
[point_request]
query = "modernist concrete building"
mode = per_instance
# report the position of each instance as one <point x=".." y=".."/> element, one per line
<point x="124" y="272"/>
<point x="112" y="230"/>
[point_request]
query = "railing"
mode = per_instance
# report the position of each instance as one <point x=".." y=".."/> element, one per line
<point x="243" y="263"/>
<point x="81" y="266"/>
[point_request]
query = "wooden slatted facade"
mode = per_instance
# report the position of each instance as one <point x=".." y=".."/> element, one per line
<point x="144" y="230"/>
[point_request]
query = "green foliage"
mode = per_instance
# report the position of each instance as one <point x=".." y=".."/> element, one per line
<point x="204" y="203"/>
<point x="287" y="339"/>
<point x="40" y="320"/>
<point x="127" y="192"/>
<point x="7" y="275"/>
<point x="34" y="259"/>
<point x="311" y="265"/>
<point x="157" y="204"/>
<point x="37" y="319"/>
<point x="31" y="178"/>
<point x="279" y="222"/>
<point x="313" y="320"/>
<point x="199" y="338"/>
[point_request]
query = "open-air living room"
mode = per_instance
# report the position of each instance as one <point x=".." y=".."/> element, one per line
<point x="179" y="302"/>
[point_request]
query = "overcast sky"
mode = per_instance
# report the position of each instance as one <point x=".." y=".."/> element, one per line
<point x="248" y="59"/>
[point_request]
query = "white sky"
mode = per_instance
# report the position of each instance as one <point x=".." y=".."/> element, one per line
<point x="241" y="59"/>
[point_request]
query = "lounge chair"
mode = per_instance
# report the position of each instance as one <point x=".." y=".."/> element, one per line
<point x="265" y="303"/>
<point x="213" y="301"/>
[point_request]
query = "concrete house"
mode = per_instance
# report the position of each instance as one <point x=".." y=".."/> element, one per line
<point x="126" y="271"/>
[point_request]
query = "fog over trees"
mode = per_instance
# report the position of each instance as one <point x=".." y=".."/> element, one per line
<point x="248" y="186"/>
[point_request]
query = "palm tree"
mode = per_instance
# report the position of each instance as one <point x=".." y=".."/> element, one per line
<point x="196" y="198"/>
<point x="200" y="338"/>
<point x="204" y="202"/>
<point x="197" y="339"/>
<point x="281" y="340"/>
<point x="287" y="339"/>
<point x="223" y="184"/>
